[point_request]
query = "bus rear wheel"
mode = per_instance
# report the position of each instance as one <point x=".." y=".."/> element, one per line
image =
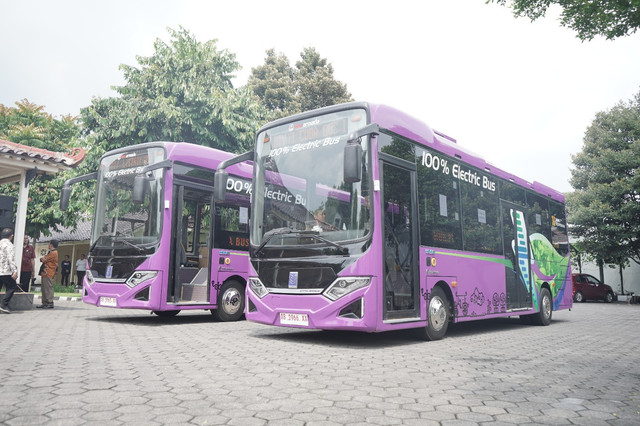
<point x="546" y="309"/>
<point x="437" y="315"/>
<point x="167" y="314"/>
<point x="230" y="302"/>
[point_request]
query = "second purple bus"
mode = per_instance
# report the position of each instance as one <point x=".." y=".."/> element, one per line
<point x="364" y="218"/>
<point x="158" y="240"/>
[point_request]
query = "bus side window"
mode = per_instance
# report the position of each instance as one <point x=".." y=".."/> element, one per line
<point x="438" y="205"/>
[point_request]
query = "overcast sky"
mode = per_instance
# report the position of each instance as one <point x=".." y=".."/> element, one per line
<point x="519" y="94"/>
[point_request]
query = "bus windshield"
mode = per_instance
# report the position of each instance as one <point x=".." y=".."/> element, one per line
<point x="118" y="220"/>
<point x="301" y="196"/>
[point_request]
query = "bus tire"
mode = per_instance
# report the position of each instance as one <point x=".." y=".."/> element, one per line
<point x="437" y="315"/>
<point x="230" y="302"/>
<point x="167" y="314"/>
<point x="546" y="309"/>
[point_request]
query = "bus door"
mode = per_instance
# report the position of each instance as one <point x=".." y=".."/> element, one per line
<point x="400" y="234"/>
<point x="191" y="244"/>
<point x="518" y="252"/>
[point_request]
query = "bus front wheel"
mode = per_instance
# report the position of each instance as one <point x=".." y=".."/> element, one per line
<point x="437" y="315"/>
<point x="230" y="302"/>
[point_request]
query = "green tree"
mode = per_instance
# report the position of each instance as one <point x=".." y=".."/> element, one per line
<point x="589" y="18"/>
<point x="29" y="124"/>
<point x="286" y="90"/>
<point x="273" y="84"/>
<point x="605" y="206"/>
<point x="183" y="92"/>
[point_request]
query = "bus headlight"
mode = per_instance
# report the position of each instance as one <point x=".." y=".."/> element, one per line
<point x="257" y="287"/>
<point x="343" y="286"/>
<point x="89" y="276"/>
<point x="140" y="277"/>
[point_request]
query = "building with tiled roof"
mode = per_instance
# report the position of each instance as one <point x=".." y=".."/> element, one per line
<point x="21" y="163"/>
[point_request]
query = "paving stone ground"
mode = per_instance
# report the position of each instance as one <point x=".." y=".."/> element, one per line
<point x="79" y="365"/>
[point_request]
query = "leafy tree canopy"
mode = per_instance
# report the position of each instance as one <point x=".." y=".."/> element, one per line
<point x="286" y="90"/>
<point x="29" y="124"/>
<point x="605" y="207"/>
<point x="183" y="92"/>
<point x="589" y="18"/>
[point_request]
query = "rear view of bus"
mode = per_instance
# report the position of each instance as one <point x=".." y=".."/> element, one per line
<point x="366" y="219"/>
<point x="158" y="242"/>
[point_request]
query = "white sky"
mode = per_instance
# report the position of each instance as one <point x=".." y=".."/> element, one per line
<point x="520" y="94"/>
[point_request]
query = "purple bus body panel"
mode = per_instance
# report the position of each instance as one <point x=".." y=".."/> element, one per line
<point x="238" y="266"/>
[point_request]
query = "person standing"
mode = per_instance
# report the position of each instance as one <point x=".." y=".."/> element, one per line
<point x="81" y="269"/>
<point x="65" y="270"/>
<point x="28" y="265"/>
<point x="50" y="262"/>
<point x="8" y="268"/>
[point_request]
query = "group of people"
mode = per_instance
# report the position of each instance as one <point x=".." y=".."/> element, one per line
<point x="9" y="270"/>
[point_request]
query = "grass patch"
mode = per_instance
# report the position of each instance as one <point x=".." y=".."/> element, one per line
<point x="61" y="291"/>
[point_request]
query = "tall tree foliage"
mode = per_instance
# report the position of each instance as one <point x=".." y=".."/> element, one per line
<point x="286" y="90"/>
<point x="29" y="124"/>
<point x="605" y="207"/>
<point x="589" y="18"/>
<point x="183" y="92"/>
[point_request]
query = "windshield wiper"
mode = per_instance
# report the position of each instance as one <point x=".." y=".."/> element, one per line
<point x="310" y="233"/>
<point x="316" y="235"/>
<point x="127" y="243"/>
<point x="270" y="234"/>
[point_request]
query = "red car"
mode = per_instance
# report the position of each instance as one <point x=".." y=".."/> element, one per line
<point x="588" y="287"/>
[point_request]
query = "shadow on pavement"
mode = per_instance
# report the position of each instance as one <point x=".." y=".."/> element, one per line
<point x="355" y="339"/>
<point x="152" y="320"/>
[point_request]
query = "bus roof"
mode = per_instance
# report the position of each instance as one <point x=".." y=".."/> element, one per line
<point x="405" y="125"/>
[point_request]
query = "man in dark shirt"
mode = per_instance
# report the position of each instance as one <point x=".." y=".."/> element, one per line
<point x="27" y="265"/>
<point x="65" y="270"/>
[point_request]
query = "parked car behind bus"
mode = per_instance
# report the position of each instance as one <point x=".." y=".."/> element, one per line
<point x="587" y="287"/>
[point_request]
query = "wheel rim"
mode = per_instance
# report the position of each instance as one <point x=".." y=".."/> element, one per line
<point x="231" y="301"/>
<point x="546" y="306"/>
<point x="437" y="313"/>
<point x="578" y="297"/>
<point x="609" y="297"/>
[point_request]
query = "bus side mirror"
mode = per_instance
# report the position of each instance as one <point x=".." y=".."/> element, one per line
<point x="139" y="186"/>
<point x="353" y="152"/>
<point x="65" y="194"/>
<point x="220" y="185"/>
<point x="352" y="163"/>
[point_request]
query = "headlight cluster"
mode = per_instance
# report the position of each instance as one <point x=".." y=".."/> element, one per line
<point x="140" y="277"/>
<point x="89" y="276"/>
<point x="258" y="288"/>
<point x="343" y="286"/>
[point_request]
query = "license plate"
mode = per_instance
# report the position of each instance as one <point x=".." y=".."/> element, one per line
<point x="294" y="319"/>
<point x="108" y="301"/>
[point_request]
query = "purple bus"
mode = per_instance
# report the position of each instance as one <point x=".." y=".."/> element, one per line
<point x="158" y="240"/>
<point x="364" y="218"/>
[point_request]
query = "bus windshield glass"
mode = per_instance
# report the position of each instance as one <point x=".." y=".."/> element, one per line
<point x="301" y="196"/>
<point x="118" y="220"/>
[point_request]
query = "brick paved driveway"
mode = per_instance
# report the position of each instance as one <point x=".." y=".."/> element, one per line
<point x="79" y="364"/>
